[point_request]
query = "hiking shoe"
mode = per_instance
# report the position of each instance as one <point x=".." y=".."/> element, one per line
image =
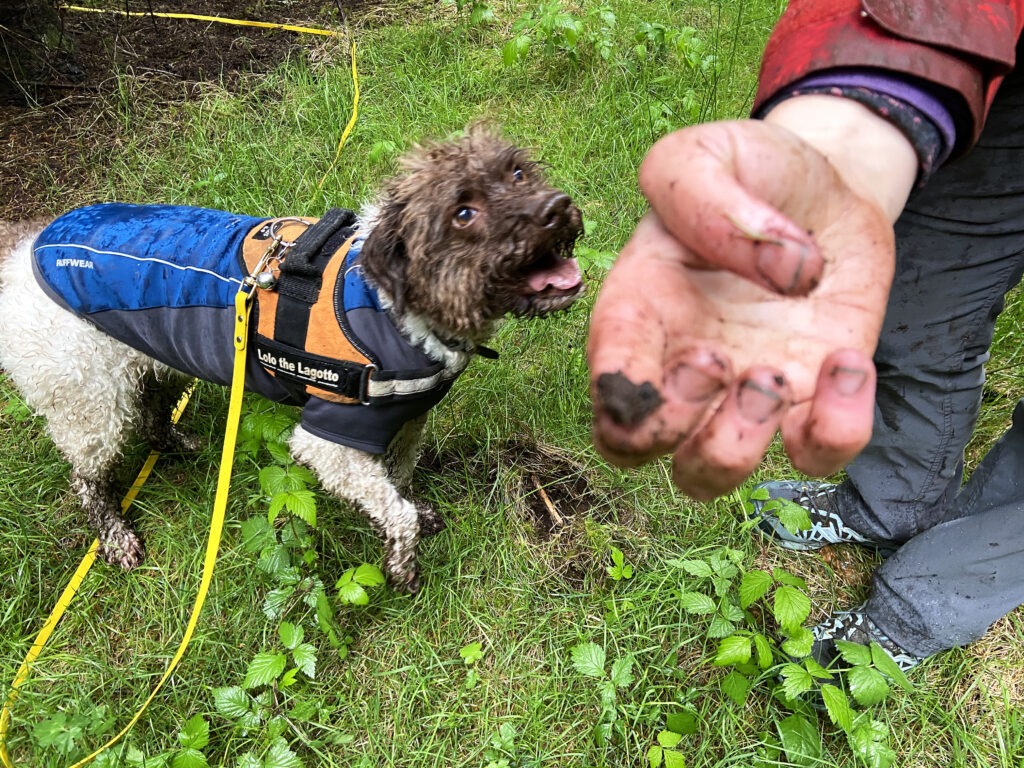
<point x="821" y="502"/>
<point x="855" y="626"/>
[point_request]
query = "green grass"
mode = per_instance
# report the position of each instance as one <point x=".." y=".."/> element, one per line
<point x="400" y="696"/>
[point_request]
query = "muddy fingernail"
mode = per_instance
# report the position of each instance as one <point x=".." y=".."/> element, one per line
<point x="848" y="381"/>
<point x="626" y="403"/>
<point x="784" y="265"/>
<point x="757" y="403"/>
<point x="693" y="384"/>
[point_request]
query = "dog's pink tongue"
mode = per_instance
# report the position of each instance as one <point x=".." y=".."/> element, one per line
<point x="563" y="277"/>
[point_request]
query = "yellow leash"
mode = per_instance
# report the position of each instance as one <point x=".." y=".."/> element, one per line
<point x="214" y="19"/>
<point x="243" y="304"/>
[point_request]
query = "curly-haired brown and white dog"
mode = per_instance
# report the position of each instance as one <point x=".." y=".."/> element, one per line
<point x="364" y="321"/>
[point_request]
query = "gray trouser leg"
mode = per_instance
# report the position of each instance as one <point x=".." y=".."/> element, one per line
<point x="960" y="247"/>
<point x="946" y="586"/>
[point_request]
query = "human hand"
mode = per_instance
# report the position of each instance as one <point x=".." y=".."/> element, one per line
<point x="686" y="358"/>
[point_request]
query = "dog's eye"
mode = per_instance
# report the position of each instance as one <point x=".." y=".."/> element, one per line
<point x="518" y="175"/>
<point x="464" y="216"/>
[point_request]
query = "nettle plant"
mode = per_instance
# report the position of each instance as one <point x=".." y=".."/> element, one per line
<point x="757" y="618"/>
<point x="557" y="31"/>
<point x="276" y="706"/>
<point x="589" y="659"/>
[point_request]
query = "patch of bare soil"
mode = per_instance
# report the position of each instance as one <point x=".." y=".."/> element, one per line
<point x="553" y="493"/>
<point x="66" y="114"/>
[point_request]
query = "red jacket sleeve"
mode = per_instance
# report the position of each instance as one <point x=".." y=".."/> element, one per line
<point x="967" y="47"/>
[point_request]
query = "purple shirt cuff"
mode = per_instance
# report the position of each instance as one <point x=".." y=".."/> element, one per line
<point x="907" y="92"/>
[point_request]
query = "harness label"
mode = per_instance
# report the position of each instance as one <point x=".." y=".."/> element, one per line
<point x="298" y="368"/>
<point x="79" y="263"/>
<point x="338" y="377"/>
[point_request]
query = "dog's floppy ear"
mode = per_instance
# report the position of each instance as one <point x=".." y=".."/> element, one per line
<point x="384" y="257"/>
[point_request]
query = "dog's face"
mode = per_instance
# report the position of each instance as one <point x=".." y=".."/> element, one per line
<point x="471" y="232"/>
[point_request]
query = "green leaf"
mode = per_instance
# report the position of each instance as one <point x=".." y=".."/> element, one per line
<point x="669" y="739"/>
<point x="695" y="602"/>
<point x="765" y="657"/>
<point x="735" y="686"/>
<point x="799" y="644"/>
<point x="291" y="634"/>
<point x="57" y="732"/>
<point x="733" y="650"/>
<point x="684" y="722"/>
<point x="870" y="742"/>
<point x="720" y="627"/>
<point x="602" y="733"/>
<point x="515" y="49"/>
<point x="302" y="504"/>
<point x="732" y="612"/>
<point x="278" y="451"/>
<point x="854" y="654"/>
<point x="867" y="686"/>
<point x="753" y="586"/>
<point x="800" y="740"/>
<point x="273" y="480"/>
<point x="793" y="517"/>
<point x="471" y="653"/>
<point x="275" y="601"/>
<point x="195" y="734"/>
<point x="274" y="561"/>
<point x="817" y="671"/>
<point x="759" y="494"/>
<point x="305" y="659"/>
<point x="289" y="678"/>
<point x="885" y="664"/>
<point x="264" y="669"/>
<point x="249" y="760"/>
<point x="232" y="702"/>
<point x="674" y="759"/>
<point x="369" y="575"/>
<point x="352" y="593"/>
<point x="256" y="534"/>
<point x="588" y="659"/>
<point x="837" y="706"/>
<point x="795" y="680"/>
<point x="723" y="565"/>
<point x="324" y="612"/>
<point x="699" y="568"/>
<point x="189" y="758"/>
<point x="785" y="577"/>
<point x="622" y="672"/>
<point x="481" y="14"/>
<point x="655" y="756"/>
<point x="280" y="756"/>
<point x="792" y="607"/>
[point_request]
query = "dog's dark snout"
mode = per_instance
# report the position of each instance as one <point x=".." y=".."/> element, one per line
<point x="553" y="211"/>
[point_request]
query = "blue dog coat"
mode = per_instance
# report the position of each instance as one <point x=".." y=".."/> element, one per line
<point x="163" y="279"/>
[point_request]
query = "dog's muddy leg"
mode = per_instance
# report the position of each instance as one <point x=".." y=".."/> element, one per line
<point x="400" y="460"/>
<point x="362" y="478"/>
<point x="119" y="544"/>
<point x="156" y="404"/>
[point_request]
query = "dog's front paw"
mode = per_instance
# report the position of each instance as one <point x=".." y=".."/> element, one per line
<point x="406" y="580"/>
<point x="121" y="546"/>
<point x="401" y="571"/>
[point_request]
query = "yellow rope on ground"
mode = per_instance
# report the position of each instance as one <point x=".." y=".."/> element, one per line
<point x="242" y="306"/>
<point x="351" y="120"/>
<point x="215" y="19"/>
